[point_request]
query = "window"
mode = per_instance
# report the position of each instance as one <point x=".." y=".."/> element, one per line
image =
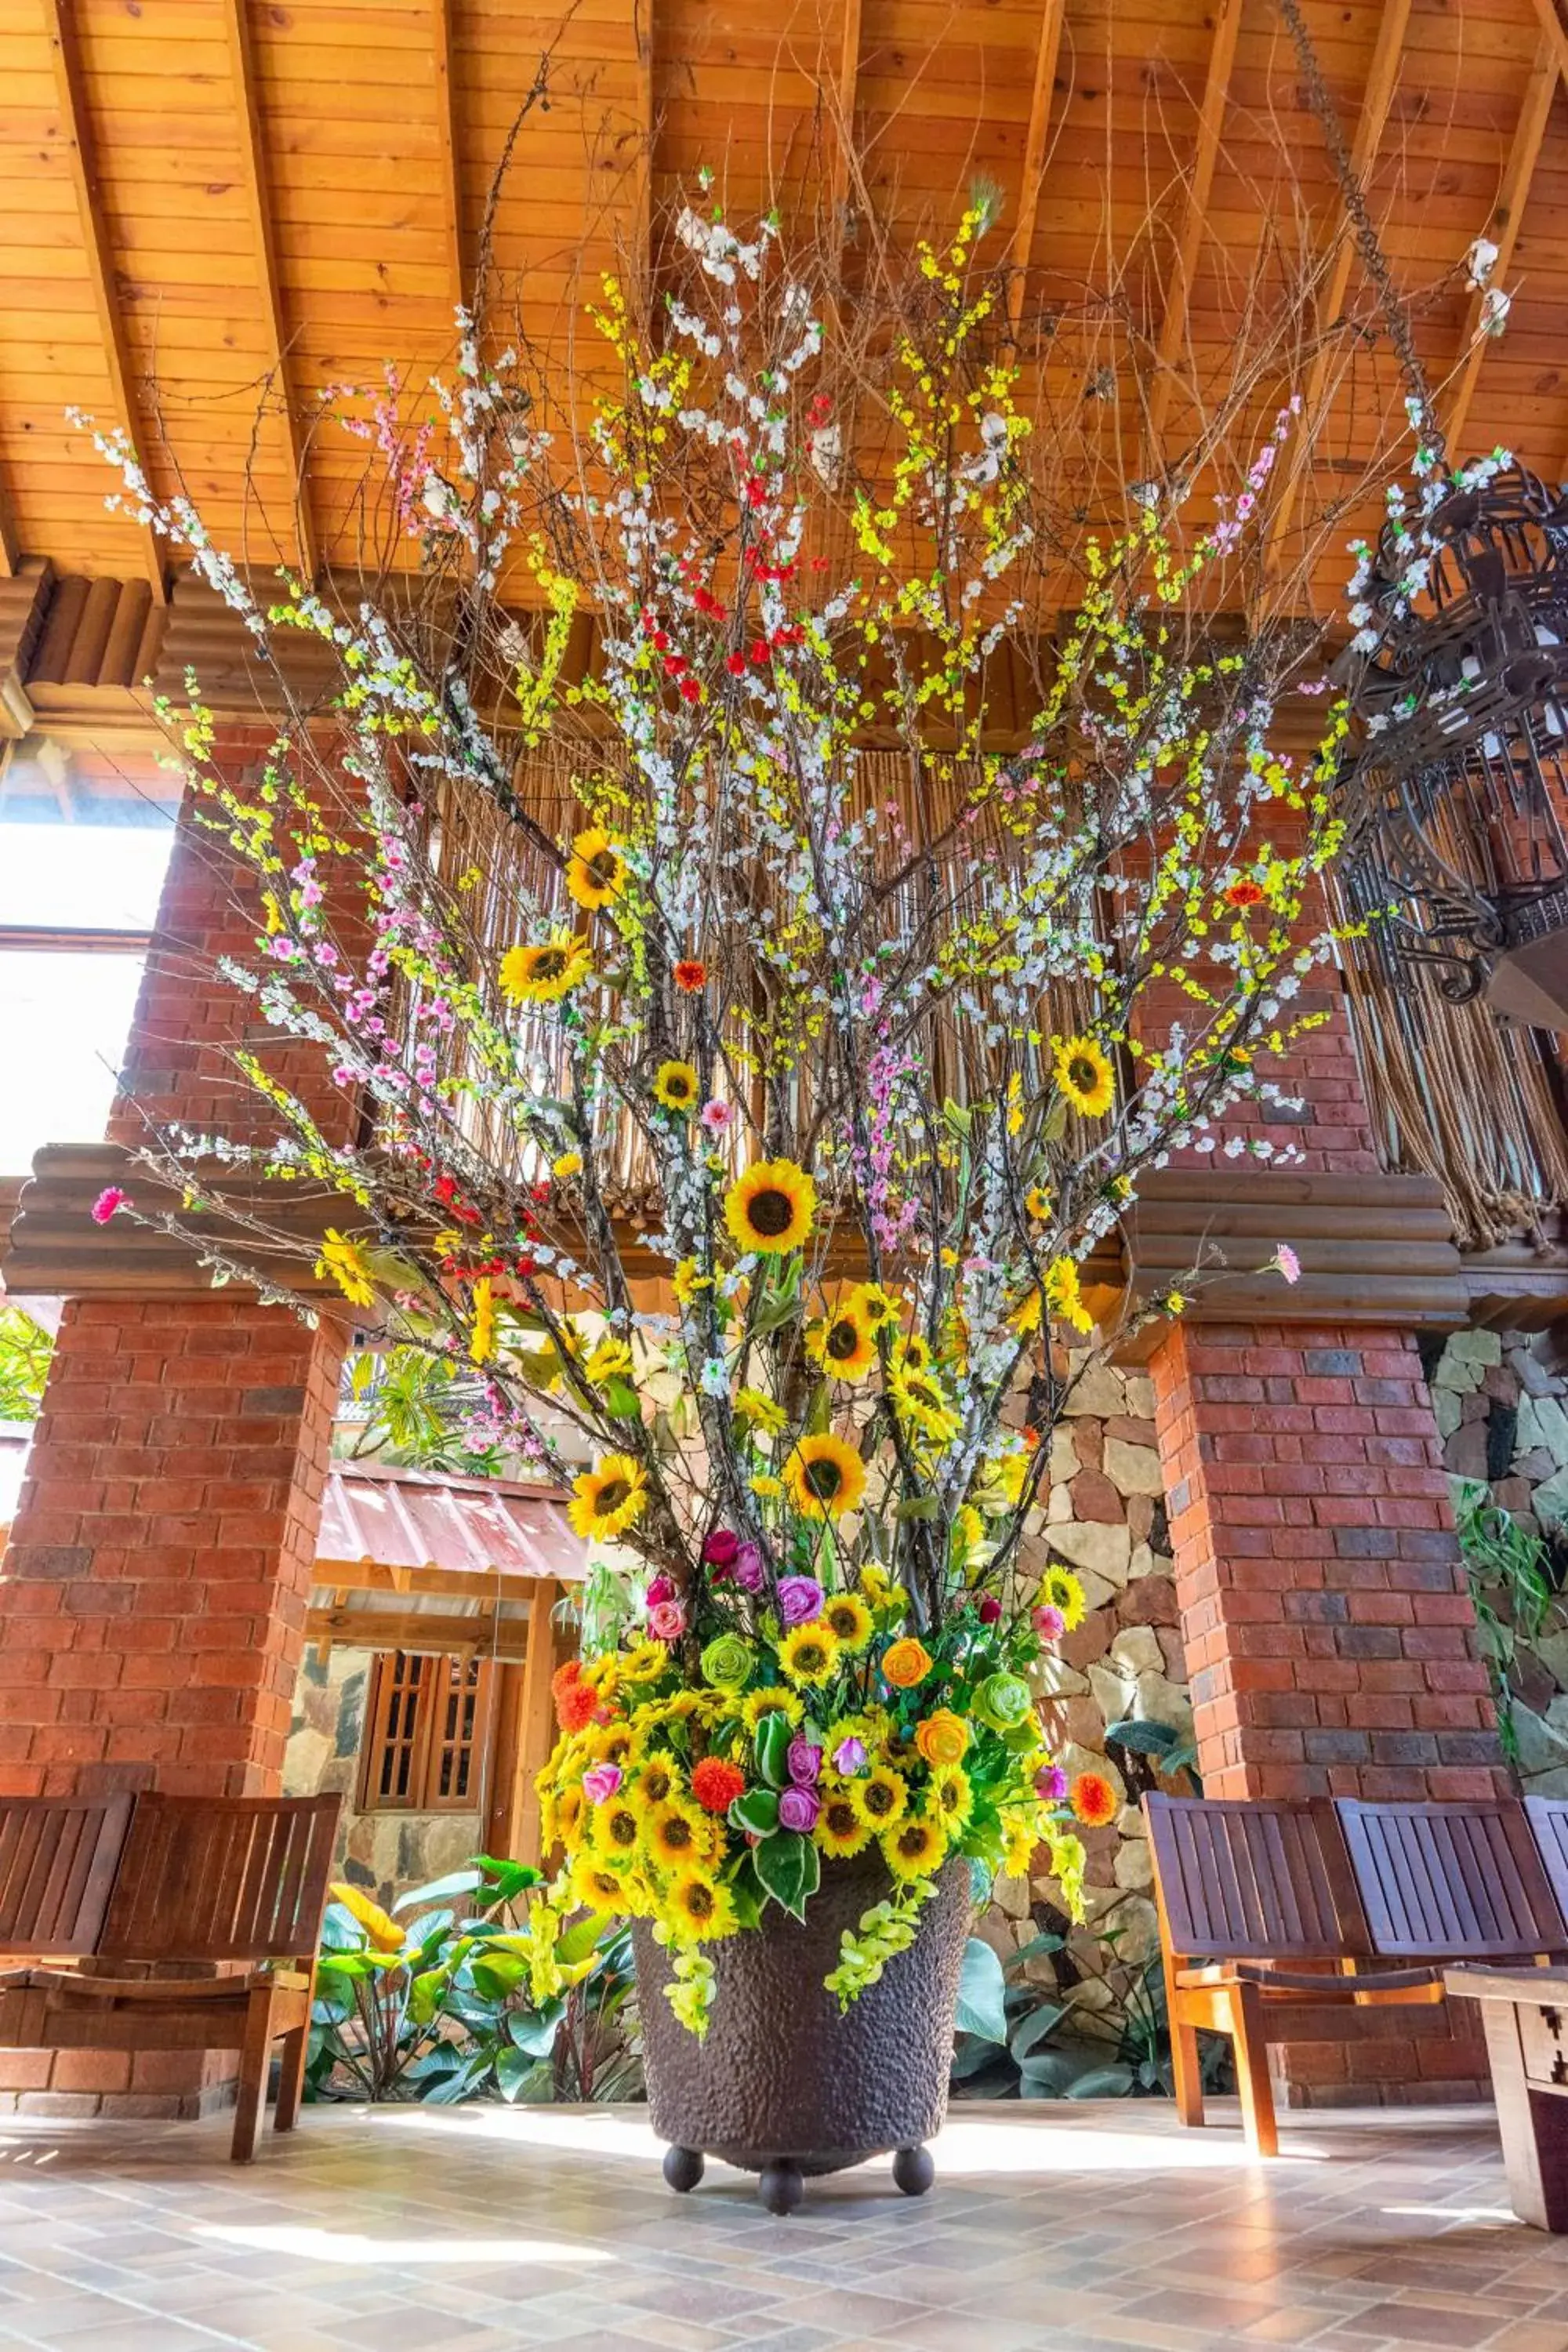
<point x="427" y="1723"/>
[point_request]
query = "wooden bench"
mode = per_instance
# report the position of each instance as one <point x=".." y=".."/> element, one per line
<point x="193" y="1923"/>
<point x="1277" y="1923"/>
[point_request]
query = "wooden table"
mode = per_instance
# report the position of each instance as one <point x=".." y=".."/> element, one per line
<point x="1525" y="2014"/>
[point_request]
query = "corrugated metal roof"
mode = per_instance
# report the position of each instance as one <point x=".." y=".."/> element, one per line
<point x="471" y="1527"/>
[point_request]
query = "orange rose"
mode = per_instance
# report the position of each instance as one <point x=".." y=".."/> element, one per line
<point x="943" y="1737"/>
<point x="907" y="1663"/>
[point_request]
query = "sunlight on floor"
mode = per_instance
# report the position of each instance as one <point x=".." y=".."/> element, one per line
<point x="295" y="2238"/>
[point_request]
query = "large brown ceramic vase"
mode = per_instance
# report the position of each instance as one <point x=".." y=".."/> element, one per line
<point x="783" y="2085"/>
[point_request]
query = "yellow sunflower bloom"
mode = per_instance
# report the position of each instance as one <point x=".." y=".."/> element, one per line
<point x="596" y="1885"/>
<point x="774" y="1700"/>
<point x="482" y="1337"/>
<point x="616" y="1831"/>
<point x="608" y="1497"/>
<point x="1060" y="1588"/>
<point x="843" y="1345"/>
<point x="915" y="1848"/>
<point x="345" y="1262"/>
<point x="697" y="1910"/>
<point x="1024" y="1319"/>
<point x="687" y="1282"/>
<point x="842" y="1828"/>
<point x="809" y="1654"/>
<point x="873" y="1304"/>
<point x="1085" y="1075"/>
<point x="569" y="1164"/>
<point x="546" y="972"/>
<point x="766" y="1485"/>
<point x="596" y="871"/>
<point x="882" y="1796"/>
<point x="653" y="1783"/>
<point x="912" y="1353"/>
<point x="1063" y="1295"/>
<point x="677" y="1836"/>
<point x="1039" y="1204"/>
<point x="760" y="1411"/>
<point x="920" y="1401"/>
<point x="645" y="1663"/>
<point x="770" y="1209"/>
<point x="675" y="1085"/>
<point x="569" y="1806"/>
<point x="824" y="1476"/>
<point x="952" y="1797"/>
<point x="848" y="1620"/>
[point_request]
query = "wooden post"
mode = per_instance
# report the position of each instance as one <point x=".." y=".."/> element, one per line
<point x="528" y="1728"/>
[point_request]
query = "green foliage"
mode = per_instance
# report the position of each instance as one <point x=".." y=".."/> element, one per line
<point x="473" y="2002"/>
<point x="690" y="1996"/>
<point x="1162" y="1747"/>
<point x="412" y="1409"/>
<point x="24" y="1352"/>
<point x="1511" y="1590"/>
<point x="883" y="1931"/>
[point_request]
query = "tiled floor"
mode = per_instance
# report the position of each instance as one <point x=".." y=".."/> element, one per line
<point x="1068" y="2227"/>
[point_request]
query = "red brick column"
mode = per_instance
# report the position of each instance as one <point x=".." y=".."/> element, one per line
<point x="152" y="1596"/>
<point x="1330" y="1639"/>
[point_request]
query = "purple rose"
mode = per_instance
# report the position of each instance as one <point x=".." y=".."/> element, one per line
<point x="800" y="1599"/>
<point x="1051" y="1784"/>
<point x="600" y="1784"/>
<point x="804" y="1761"/>
<point x="662" y="1588"/>
<point x="721" y="1547"/>
<point x="850" y="1757"/>
<point x="798" y="1808"/>
<point x="747" y="1569"/>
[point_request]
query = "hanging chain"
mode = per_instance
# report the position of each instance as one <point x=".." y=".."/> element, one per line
<point x="1391" y="304"/>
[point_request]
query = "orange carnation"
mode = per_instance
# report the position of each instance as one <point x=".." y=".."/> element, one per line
<point x="716" y="1783"/>
<point x="907" y="1663"/>
<point x="574" y="1702"/>
<point x="943" y="1737"/>
<point x="1093" y="1799"/>
<point x="691" y="975"/>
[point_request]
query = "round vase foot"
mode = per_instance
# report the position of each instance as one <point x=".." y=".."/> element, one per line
<point x="913" y="2170"/>
<point x="779" y="2186"/>
<point x="683" y="2168"/>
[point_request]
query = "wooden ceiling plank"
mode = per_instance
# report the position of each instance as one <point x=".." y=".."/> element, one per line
<point x="449" y="147"/>
<point x="1554" y="32"/>
<point x="1502" y="229"/>
<point x="1195" y="214"/>
<point x="846" y="97"/>
<point x="1381" y="81"/>
<point x="61" y="26"/>
<point x="1036" y="146"/>
<point x="259" y="204"/>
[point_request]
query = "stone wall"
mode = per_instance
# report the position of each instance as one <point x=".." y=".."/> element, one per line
<point x="384" y="1853"/>
<point x="1502" y="1409"/>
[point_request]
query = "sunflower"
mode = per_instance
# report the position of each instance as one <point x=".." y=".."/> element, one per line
<point x="774" y="1700"/>
<point x="842" y="1344"/>
<point x="882" y="1796"/>
<point x="809" y="1654"/>
<point x="644" y="1661"/>
<point x="569" y="1807"/>
<point x="848" y="1619"/>
<point x="841" y="1828"/>
<point x="596" y="869"/>
<point x="596" y="1885"/>
<point x="764" y="1415"/>
<point x="607" y="1497"/>
<point x="1038" y="1203"/>
<point x="915" y="1847"/>
<point x="1024" y="1319"/>
<point x="675" y="1085"/>
<point x="824" y="1476"/>
<point x="677" y="1836"/>
<point x="611" y="1361"/>
<point x="872" y="1304"/>
<point x="654" y="1782"/>
<point x="770" y="1208"/>
<point x="919" y="1399"/>
<point x="697" y="1910"/>
<point x="912" y="1353"/>
<point x="1093" y="1799"/>
<point x="1085" y="1075"/>
<point x="1063" y="1295"/>
<point x="617" y="1829"/>
<point x="951" y="1796"/>
<point x="545" y="973"/>
<point x="345" y="1262"/>
<point x="1060" y="1588"/>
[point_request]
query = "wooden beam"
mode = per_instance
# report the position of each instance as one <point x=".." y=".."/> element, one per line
<point x="448" y="147"/>
<point x="1382" y="80"/>
<point x="1194" y="215"/>
<point x="1502" y="229"/>
<point x="258" y="202"/>
<point x="60" y="25"/>
<point x="455" y="1583"/>
<point x="644" y="127"/>
<point x="1553" y="31"/>
<point x="845" y="92"/>
<point x="10" y="545"/>
<point x="535" y="1727"/>
<point x="418" y="1635"/>
<point x="1037" y="145"/>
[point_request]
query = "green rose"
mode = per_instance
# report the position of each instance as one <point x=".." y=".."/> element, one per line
<point x="1003" y="1701"/>
<point x="727" y="1662"/>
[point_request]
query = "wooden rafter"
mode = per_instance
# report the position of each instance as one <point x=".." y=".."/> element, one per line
<point x="1036" y="142"/>
<point x="845" y="92"/>
<point x="257" y="196"/>
<point x="61" y="26"/>
<point x="1382" y="80"/>
<point x="1554" y="32"/>
<point x="1195" y="214"/>
<point x="448" y="146"/>
<point x="1502" y="229"/>
<point x="644" y="128"/>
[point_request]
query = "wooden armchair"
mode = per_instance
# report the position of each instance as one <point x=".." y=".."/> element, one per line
<point x="1548" y="1818"/>
<point x="1262" y="1938"/>
<point x="199" y="1885"/>
<point x="1452" y="1882"/>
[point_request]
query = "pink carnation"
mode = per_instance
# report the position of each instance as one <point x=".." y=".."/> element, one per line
<point x="715" y="1117"/>
<point x="109" y="1200"/>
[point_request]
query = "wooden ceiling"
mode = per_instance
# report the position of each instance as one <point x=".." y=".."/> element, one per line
<point x="204" y="202"/>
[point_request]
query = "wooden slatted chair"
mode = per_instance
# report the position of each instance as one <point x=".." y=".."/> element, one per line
<point x="1452" y="1882"/>
<point x="1262" y="1938"/>
<point x="1548" y="1818"/>
<point x="58" y="1860"/>
<point x="204" y="1883"/>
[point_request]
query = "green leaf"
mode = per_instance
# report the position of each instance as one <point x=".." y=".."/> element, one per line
<point x="507" y="1880"/>
<point x="757" y="1812"/>
<point x="534" y="2031"/>
<point x="790" y="1868"/>
<point x="774" y="1733"/>
<point x="580" y="1940"/>
<point x="1102" y="2083"/>
<point x="1142" y="1738"/>
<point x="1047" y="2075"/>
<point x="1037" y="1947"/>
<point x="517" y="2077"/>
<point x="621" y="1401"/>
<point x="1035" y="2028"/>
<point x="746" y="1894"/>
<point x="919" y="1507"/>
<point x="499" y="1975"/>
<point x="982" y="1993"/>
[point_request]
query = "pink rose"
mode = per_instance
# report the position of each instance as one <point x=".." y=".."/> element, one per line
<point x="600" y="1783"/>
<point x="1048" y="1622"/>
<point x="667" y="1621"/>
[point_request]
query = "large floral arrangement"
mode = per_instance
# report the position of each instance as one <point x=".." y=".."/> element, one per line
<point x="738" y="1039"/>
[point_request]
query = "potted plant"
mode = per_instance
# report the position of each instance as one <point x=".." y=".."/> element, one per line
<point x="754" y="990"/>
